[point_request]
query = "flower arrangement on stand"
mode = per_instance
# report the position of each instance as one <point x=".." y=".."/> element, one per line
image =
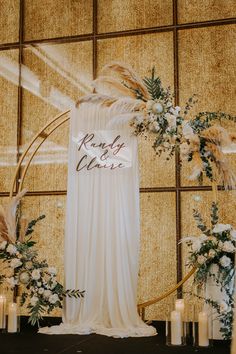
<point x="23" y="268"/>
<point x="213" y="254"/>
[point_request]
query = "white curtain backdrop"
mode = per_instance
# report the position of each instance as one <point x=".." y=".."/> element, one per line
<point x="102" y="228"/>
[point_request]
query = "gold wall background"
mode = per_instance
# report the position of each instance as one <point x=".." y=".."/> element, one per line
<point x="50" y="50"/>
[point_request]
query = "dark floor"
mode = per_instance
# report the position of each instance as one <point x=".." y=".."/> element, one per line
<point x="29" y="342"/>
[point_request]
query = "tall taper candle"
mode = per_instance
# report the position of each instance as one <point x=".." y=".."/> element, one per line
<point x="2" y="311"/>
<point x="203" y="340"/>
<point x="12" y="318"/>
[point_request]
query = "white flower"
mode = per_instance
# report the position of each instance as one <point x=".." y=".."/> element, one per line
<point x="177" y="108"/>
<point x="34" y="300"/>
<point x="155" y="126"/>
<point x="157" y="108"/>
<point x="11" y="282"/>
<point x="196" y="245"/>
<point x="41" y="291"/>
<point x="203" y="237"/>
<point x="138" y="119"/>
<point x="211" y="253"/>
<point x="54" y="283"/>
<point x="233" y="234"/>
<point x="201" y="259"/>
<point x="3" y="245"/>
<point x="24" y="277"/>
<point x="219" y="228"/>
<point x="228" y="247"/>
<point x="187" y="130"/>
<point x="15" y="263"/>
<point x="11" y="249"/>
<point x="220" y="245"/>
<point x="171" y="119"/>
<point x="213" y="239"/>
<point x="47" y="293"/>
<point x="197" y="198"/>
<point x="174" y="111"/>
<point x="53" y="298"/>
<point x="223" y="307"/>
<point x="39" y="284"/>
<point x="225" y="261"/>
<point x="29" y="265"/>
<point x="185" y="150"/>
<point x="35" y="274"/>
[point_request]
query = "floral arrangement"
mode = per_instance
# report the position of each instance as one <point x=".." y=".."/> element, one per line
<point x="213" y="253"/>
<point x="22" y="267"/>
<point x="149" y="109"/>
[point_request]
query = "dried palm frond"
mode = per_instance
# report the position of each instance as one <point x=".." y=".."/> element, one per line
<point x="97" y="99"/>
<point x="217" y="135"/>
<point x="8" y="218"/>
<point x="122" y="118"/>
<point x="198" y="165"/>
<point x="109" y="85"/>
<point x="127" y="74"/>
<point x="127" y="105"/>
<point x="23" y="228"/>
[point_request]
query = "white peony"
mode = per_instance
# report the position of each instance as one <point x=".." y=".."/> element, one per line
<point x="34" y="300"/>
<point x="219" y="228"/>
<point x="11" y="249"/>
<point x="225" y="261"/>
<point x="24" y="277"/>
<point x="53" y="298"/>
<point x="223" y="307"/>
<point x="228" y="247"/>
<point x="201" y="259"/>
<point x="35" y="274"/>
<point x="47" y="293"/>
<point x="211" y="253"/>
<point x="3" y="245"/>
<point x="15" y="263"/>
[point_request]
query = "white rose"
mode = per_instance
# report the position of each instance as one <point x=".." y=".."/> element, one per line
<point x="39" y="284"/>
<point x="3" y="245"/>
<point x="201" y="259"/>
<point x="24" y="277"/>
<point x="174" y="111"/>
<point x="41" y="291"/>
<point x="11" y="282"/>
<point x="219" y="228"/>
<point x="53" y="298"/>
<point x="47" y="293"/>
<point x="11" y="249"/>
<point x="52" y="270"/>
<point x="177" y="108"/>
<point x="15" y="263"/>
<point x="228" y="247"/>
<point x="34" y="300"/>
<point x="211" y="253"/>
<point x="225" y="261"/>
<point x="35" y="274"/>
<point x="223" y="307"/>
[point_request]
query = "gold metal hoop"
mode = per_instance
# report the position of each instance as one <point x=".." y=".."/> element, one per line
<point x="43" y="135"/>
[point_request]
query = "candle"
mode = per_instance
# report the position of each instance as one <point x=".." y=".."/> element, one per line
<point x="12" y="318"/>
<point x="203" y="340"/>
<point x="2" y="311"/>
<point x="176" y="328"/>
<point x="179" y="306"/>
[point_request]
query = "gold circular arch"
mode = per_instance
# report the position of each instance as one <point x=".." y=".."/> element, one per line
<point x="42" y="135"/>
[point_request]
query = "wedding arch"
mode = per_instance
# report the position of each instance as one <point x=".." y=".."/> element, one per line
<point x="30" y="152"/>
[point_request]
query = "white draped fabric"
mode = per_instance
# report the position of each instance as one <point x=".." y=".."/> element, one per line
<point x="102" y="228"/>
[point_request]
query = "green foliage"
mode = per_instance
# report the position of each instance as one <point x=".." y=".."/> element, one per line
<point x="154" y="86"/>
<point x="32" y="223"/>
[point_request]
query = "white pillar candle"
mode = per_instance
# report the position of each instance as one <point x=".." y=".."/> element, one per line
<point x="176" y="328"/>
<point x="179" y="306"/>
<point x="2" y="311"/>
<point x="12" y="318"/>
<point x="203" y="340"/>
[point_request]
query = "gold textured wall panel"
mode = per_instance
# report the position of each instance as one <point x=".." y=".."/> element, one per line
<point x="136" y="52"/>
<point x="158" y="251"/>
<point x="9" y="78"/>
<point x="54" y="78"/>
<point x="9" y="21"/>
<point x="120" y="15"/>
<point x="205" y="10"/>
<point x="57" y="18"/>
<point x="207" y="67"/>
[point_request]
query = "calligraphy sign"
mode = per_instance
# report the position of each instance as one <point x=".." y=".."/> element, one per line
<point x="102" y="149"/>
